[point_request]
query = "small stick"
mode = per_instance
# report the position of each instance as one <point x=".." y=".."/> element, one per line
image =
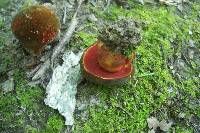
<point x="135" y="83"/>
<point x="64" y="15"/>
<point x="67" y="36"/>
<point x="108" y="4"/>
<point x="42" y="70"/>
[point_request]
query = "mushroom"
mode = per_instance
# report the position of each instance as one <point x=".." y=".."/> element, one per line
<point x="35" y="27"/>
<point x="109" y="60"/>
<point x="93" y="72"/>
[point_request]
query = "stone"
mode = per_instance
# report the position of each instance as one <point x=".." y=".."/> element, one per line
<point x="92" y="18"/>
<point x="191" y="53"/>
<point x="153" y="123"/>
<point x="8" y="85"/>
<point x="165" y="126"/>
<point x="191" y="43"/>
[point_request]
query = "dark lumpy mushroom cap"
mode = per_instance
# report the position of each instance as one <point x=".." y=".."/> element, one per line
<point x="36" y="24"/>
<point x="121" y="35"/>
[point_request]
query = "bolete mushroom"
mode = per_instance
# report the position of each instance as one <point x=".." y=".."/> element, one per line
<point x="35" y="27"/>
<point x="109" y="60"/>
<point x="93" y="72"/>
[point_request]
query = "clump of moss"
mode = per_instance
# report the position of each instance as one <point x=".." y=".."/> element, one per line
<point x="121" y="36"/>
<point x="23" y="109"/>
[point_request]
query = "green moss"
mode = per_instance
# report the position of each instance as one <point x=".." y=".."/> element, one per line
<point x="1" y="22"/>
<point x="23" y="110"/>
<point x="87" y="38"/>
<point x="4" y="3"/>
<point x="54" y="124"/>
<point x="30" y="129"/>
<point x="9" y="109"/>
<point x="28" y="96"/>
<point x="183" y="130"/>
<point x="126" y="109"/>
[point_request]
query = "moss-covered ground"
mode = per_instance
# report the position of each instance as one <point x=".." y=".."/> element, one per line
<point x="165" y="84"/>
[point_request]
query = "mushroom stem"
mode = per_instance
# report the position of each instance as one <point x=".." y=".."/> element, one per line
<point x="35" y="47"/>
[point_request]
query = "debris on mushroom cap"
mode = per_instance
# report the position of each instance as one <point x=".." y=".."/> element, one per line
<point x="35" y="25"/>
<point x="121" y="35"/>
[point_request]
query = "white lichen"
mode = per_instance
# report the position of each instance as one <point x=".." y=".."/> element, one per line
<point x="172" y="2"/>
<point x="61" y="89"/>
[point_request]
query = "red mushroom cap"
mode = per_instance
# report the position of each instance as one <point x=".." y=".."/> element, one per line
<point x="93" y="72"/>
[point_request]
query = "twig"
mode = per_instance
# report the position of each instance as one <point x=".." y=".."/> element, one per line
<point x="64" y="14"/>
<point x="59" y="48"/>
<point x="67" y="36"/>
<point x="187" y="61"/>
<point x="42" y="70"/>
<point x="135" y="83"/>
<point x="108" y="4"/>
<point x="32" y="72"/>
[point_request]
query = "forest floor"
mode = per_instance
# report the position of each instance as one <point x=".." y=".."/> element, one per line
<point x="164" y="92"/>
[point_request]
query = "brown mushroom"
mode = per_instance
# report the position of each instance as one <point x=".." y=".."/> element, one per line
<point x="35" y="27"/>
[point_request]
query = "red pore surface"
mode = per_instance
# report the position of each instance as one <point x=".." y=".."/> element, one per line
<point x="90" y="63"/>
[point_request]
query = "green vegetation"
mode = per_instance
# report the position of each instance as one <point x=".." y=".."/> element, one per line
<point x="87" y="39"/>
<point x="4" y="3"/>
<point x="126" y="109"/>
<point x="153" y="91"/>
<point x="23" y="110"/>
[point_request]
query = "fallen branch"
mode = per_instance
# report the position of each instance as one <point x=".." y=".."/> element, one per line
<point x="59" y="48"/>
<point x="41" y="71"/>
<point x="67" y="36"/>
<point x="64" y="14"/>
